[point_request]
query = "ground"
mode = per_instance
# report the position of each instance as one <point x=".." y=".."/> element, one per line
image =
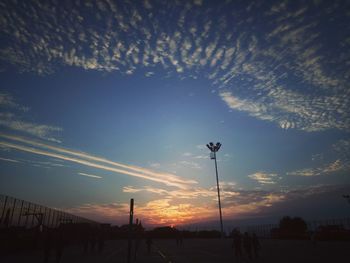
<point x="197" y="251"/>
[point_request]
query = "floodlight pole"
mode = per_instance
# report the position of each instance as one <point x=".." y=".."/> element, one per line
<point x="218" y="188"/>
<point x="214" y="148"/>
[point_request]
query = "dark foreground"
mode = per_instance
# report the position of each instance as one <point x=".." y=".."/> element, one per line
<point x="195" y="250"/>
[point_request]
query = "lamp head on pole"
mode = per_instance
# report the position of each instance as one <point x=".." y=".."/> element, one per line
<point x="214" y="147"/>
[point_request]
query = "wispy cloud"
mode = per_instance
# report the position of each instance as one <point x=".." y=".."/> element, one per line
<point x="190" y="164"/>
<point x="264" y="178"/>
<point x="90" y="175"/>
<point x="327" y="169"/>
<point x="155" y="165"/>
<point x="10" y="119"/>
<point x="8" y="101"/>
<point x="111" y="212"/>
<point x="92" y="161"/>
<point x="9" y="160"/>
<point x="228" y="190"/>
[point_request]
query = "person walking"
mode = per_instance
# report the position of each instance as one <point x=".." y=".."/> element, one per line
<point x="149" y="244"/>
<point x="256" y="245"/>
<point x="237" y="243"/>
<point x="247" y="244"/>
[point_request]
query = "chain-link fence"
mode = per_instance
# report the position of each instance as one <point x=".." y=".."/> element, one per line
<point x="20" y="213"/>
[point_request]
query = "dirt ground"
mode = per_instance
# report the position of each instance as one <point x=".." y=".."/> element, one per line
<point x="195" y="251"/>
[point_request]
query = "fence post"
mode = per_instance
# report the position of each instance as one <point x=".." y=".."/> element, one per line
<point x="53" y="218"/>
<point x="3" y="209"/>
<point x="48" y="218"/>
<point x="20" y="214"/>
<point x="13" y="210"/>
<point x="33" y="216"/>
<point x="26" y="222"/>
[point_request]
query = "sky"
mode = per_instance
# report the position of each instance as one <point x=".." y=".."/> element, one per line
<point x="103" y="101"/>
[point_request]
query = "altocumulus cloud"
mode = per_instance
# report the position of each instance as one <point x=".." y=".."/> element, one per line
<point x="287" y="71"/>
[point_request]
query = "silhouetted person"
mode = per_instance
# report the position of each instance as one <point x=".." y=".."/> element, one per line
<point x="179" y="238"/>
<point x="85" y="240"/>
<point x="247" y="244"/>
<point x="237" y="243"/>
<point x="313" y="237"/>
<point x="101" y="242"/>
<point x="59" y="243"/>
<point x="256" y="245"/>
<point x="138" y="237"/>
<point x="92" y="240"/>
<point x="48" y="244"/>
<point x="149" y="244"/>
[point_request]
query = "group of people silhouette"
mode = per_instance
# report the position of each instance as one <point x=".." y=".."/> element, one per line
<point x="55" y="240"/>
<point x="249" y="242"/>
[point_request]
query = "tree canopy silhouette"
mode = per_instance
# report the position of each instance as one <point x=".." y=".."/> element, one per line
<point x="292" y="227"/>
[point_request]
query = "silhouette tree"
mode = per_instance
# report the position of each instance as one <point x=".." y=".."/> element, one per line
<point x="292" y="227"/>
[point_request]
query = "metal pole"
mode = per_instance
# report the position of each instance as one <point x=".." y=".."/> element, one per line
<point x="26" y="222"/>
<point x="218" y="188"/>
<point x="13" y="210"/>
<point x="20" y="214"/>
<point x="32" y="223"/>
<point x="3" y="209"/>
<point x="130" y="229"/>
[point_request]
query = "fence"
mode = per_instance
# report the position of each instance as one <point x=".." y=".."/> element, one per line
<point x="16" y="212"/>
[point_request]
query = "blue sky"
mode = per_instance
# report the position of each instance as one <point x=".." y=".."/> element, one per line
<point x="103" y="101"/>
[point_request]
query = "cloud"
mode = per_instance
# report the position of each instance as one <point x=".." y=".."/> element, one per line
<point x="253" y="108"/>
<point x="10" y="121"/>
<point x="155" y="165"/>
<point x="111" y="212"/>
<point x="190" y="164"/>
<point x="293" y="110"/>
<point x="93" y="161"/>
<point x="227" y="191"/>
<point x="166" y="212"/>
<point x="44" y="164"/>
<point x="90" y="175"/>
<point x="176" y="208"/>
<point x="169" y="210"/>
<point x="264" y="178"/>
<point x="284" y="72"/>
<point x="201" y="157"/>
<point x="7" y="101"/>
<point x="327" y="169"/>
<point x="342" y="147"/>
<point x="201" y="147"/>
<point x="9" y="160"/>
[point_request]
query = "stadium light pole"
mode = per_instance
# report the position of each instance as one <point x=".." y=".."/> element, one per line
<point x="214" y="148"/>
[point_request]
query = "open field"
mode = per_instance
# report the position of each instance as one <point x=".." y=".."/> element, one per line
<point x="198" y="251"/>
